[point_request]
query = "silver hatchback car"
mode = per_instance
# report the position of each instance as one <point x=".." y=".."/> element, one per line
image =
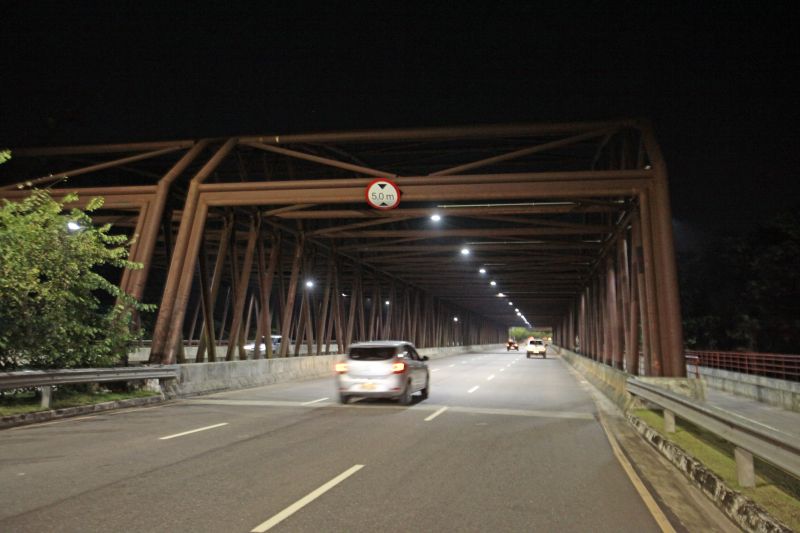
<point x="382" y="369"/>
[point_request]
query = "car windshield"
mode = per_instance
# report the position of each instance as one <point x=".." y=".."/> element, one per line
<point x="372" y="353"/>
<point x="536" y="342"/>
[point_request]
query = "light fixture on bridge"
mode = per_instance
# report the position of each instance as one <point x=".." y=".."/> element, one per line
<point x="436" y="218"/>
<point x="482" y="271"/>
<point x="493" y="283"/>
<point x="465" y="251"/>
<point x="386" y="302"/>
<point x="516" y="309"/>
<point x="455" y="319"/>
<point x="501" y="295"/>
<point x="73" y="226"/>
<point x="510" y="303"/>
<point x="344" y="295"/>
<point x="309" y="284"/>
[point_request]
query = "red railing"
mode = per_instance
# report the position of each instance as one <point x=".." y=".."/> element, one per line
<point x="772" y="365"/>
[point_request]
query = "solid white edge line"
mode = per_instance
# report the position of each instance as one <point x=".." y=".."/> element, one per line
<point x="473" y="389"/>
<point x="649" y="502"/>
<point x="490" y="378"/>
<point x="305" y="500"/>
<point x="437" y="413"/>
<point x="193" y="431"/>
<point x="315" y="401"/>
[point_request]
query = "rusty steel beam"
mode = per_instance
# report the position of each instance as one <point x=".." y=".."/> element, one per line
<point x="449" y="133"/>
<point x="444" y="211"/>
<point x="92" y="168"/>
<point x="425" y="193"/>
<point x="321" y="160"/>
<point x="407" y="181"/>
<point x="99" y="148"/>
<point x="440" y="233"/>
<point x="526" y="152"/>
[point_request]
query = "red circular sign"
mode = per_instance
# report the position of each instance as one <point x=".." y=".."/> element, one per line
<point x="383" y="194"/>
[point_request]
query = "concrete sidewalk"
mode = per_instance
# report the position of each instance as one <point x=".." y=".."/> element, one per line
<point x="775" y="418"/>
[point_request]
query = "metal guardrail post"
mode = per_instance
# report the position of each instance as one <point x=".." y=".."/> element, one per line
<point x="47" y="395"/>
<point x="745" y="472"/>
<point x="669" y="421"/>
<point x="748" y="438"/>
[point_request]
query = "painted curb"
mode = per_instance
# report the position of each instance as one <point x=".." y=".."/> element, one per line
<point x="743" y="511"/>
<point x="56" y="414"/>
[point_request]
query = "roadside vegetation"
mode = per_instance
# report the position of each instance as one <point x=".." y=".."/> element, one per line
<point x="28" y="401"/>
<point x="742" y="292"/>
<point x="775" y="491"/>
<point x="57" y="310"/>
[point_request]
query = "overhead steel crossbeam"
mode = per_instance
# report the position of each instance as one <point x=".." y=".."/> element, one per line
<point x="571" y="221"/>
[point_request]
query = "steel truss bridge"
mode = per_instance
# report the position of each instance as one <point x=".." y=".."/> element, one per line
<point x="571" y="221"/>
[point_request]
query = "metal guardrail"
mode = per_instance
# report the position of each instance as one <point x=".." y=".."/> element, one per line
<point x="775" y="447"/>
<point x="773" y="365"/>
<point x="48" y="378"/>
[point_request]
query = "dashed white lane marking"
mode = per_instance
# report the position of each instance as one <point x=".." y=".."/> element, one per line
<point x="502" y="369"/>
<point x="435" y="369"/>
<point x="473" y="389"/>
<point x="490" y="378"/>
<point x="451" y="366"/>
<point x="193" y="431"/>
<point x="305" y="500"/>
<point x="315" y="401"/>
<point x="437" y="413"/>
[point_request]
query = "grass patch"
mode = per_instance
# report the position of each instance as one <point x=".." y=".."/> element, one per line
<point x="29" y="402"/>
<point x="776" y="491"/>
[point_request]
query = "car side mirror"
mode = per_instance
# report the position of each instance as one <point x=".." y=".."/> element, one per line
<point x="424" y="357"/>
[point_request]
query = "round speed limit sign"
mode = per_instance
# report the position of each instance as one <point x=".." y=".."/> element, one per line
<point x="383" y="194"/>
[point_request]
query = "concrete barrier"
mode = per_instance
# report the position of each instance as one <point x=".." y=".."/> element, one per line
<point x="777" y="392"/>
<point x="199" y="378"/>
<point x="613" y="381"/>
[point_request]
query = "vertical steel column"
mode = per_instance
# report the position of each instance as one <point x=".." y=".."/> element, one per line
<point x="338" y="314"/>
<point x="655" y="368"/>
<point x="265" y="285"/>
<point x="134" y="252"/>
<point x="624" y="292"/>
<point x="205" y="302"/>
<point x="216" y="282"/>
<point x="242" y="285"/>
<point x="186" y="277"/>
<point x="286" y="322"/>
<point x="155" y="211"/>
<point x="614" y="315"/>
<point x="165" y="338"/>
<point x="322" y="325"/>
<point x="641" y="297"/>
<point x="673" y="357"/>
<point x="355" y="294"/>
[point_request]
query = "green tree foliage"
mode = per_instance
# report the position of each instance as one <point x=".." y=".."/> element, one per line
<point x="744" y="294"/>
<point x="51" y="314"/>
<point x="519" y="333"/>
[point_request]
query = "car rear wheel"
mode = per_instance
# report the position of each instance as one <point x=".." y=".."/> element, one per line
<point x="427" y="388"/>
<point x="343" y="399"/>
<point x="405" y="399"/>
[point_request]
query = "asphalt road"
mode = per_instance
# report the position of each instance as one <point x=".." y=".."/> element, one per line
<point x="504" y="443"/>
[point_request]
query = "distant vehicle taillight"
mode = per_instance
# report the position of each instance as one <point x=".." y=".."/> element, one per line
<point x="341" y="368"/>
<point x="399" y="367"/>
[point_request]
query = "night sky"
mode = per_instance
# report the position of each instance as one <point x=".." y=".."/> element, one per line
<point x="720" y="84"/>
